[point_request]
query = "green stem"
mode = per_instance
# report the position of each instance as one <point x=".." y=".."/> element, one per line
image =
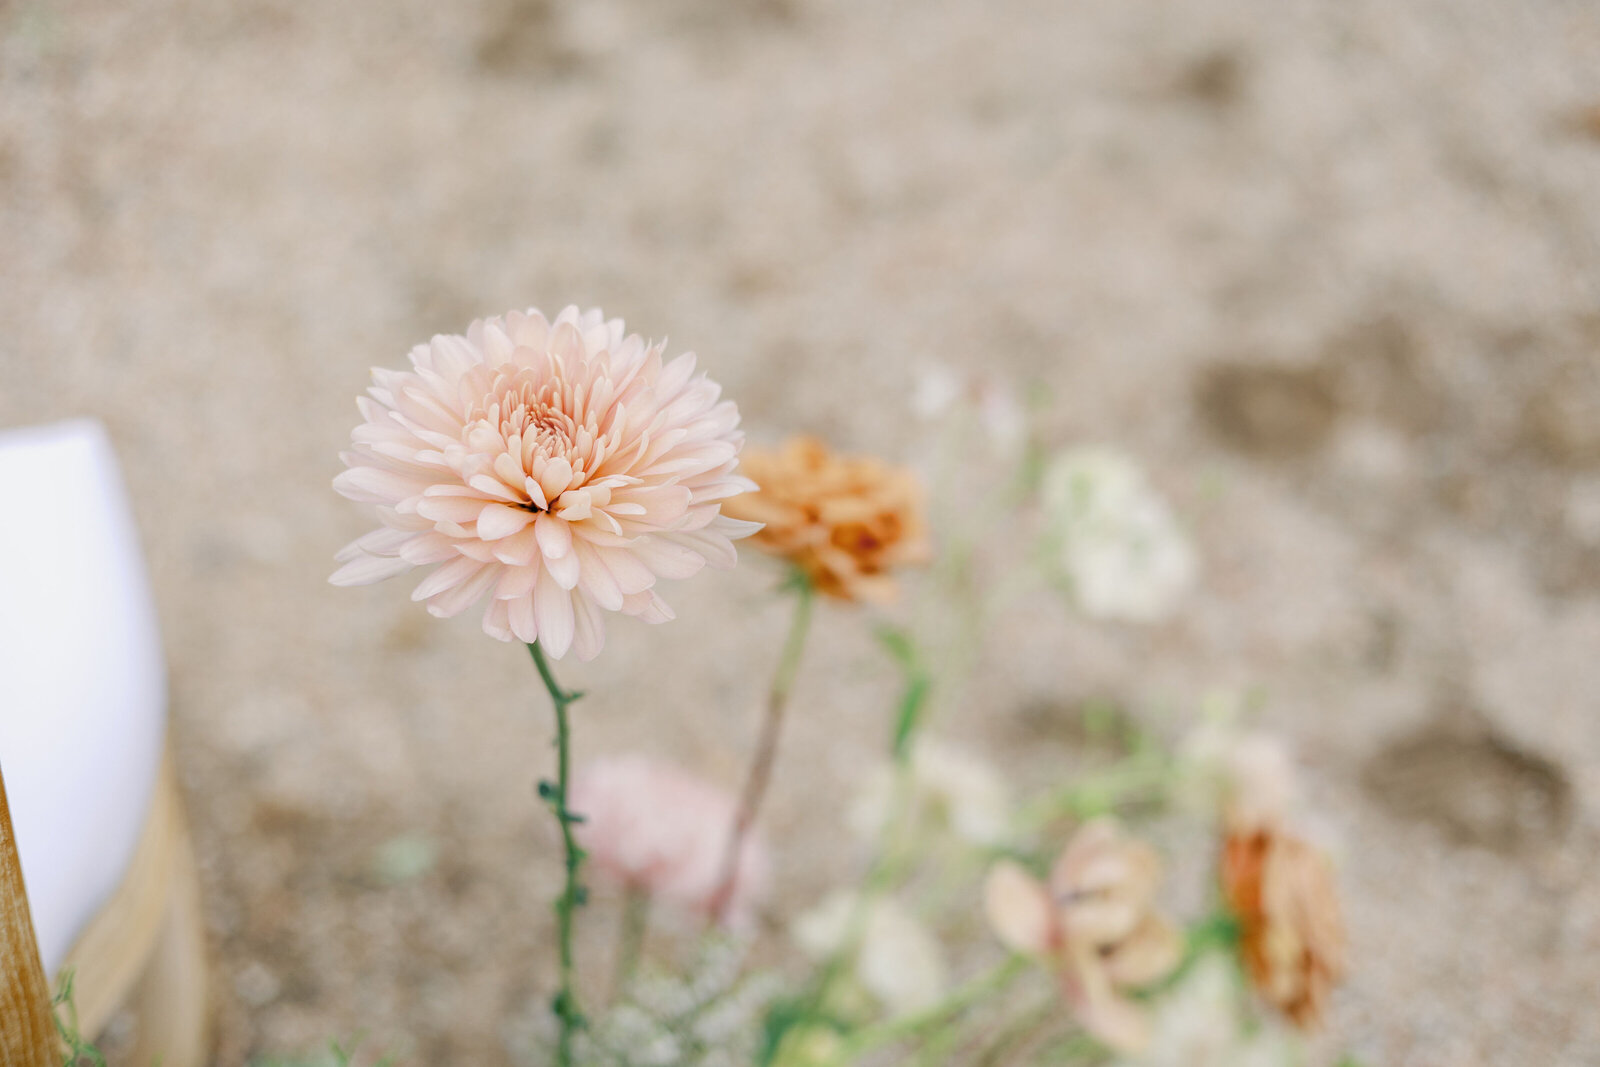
<point x="1018" y="1034"/>
<point x="1074" y="1048"/>
<point x="565" y="1004"/>
<point x="630" y="938"/>
<point x="933" y="1018"/>
<point x="887" y="861"/>
<point x="1144" y="774"/>
<point x="760" y="776"/>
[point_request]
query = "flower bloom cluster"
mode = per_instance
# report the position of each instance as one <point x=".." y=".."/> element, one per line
<point x="1095" y="924"/>
<point x="898" y="960"/>
<point x="558" y="468"/>
<point x="1282" y="889"/>
<point x="1120" y="547"/>
<point x="1198" y="1024"/>
<point x="655" y="828"/>
<point x="845" y="521"/>
<point x="951" y="789"/>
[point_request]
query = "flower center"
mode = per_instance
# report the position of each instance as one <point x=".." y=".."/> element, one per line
<point x="521" y="410"/>
<point x="534" y="426"/>
<point x="551" y="430"/>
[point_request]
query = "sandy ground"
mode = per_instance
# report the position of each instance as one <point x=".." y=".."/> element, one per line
<point x="1330" y="269"/>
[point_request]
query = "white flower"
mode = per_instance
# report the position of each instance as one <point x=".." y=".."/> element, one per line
<point x="898" y="960"/>
<point x="1247" y="776"/>
<point x="556" y="468"/>
<point x="1119" y="545"/>
<point x="936" y="391"/>
<point x="939" y="392"/>
<point x="950" y="786"/>
<point x="1197" y="1025"/>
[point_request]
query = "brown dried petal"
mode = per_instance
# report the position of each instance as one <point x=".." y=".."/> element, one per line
<point x="1283" y="892"/>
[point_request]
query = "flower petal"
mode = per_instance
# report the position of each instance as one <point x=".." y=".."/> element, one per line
<point x="552" y="607"/>
<point x="590" y="629"/>
<point x="1147" y="955"/>
<point x="447" y="576"/>
<point x="364" y="570"/>
<point x="555" y="536"/>
<point x="1019" y="909"/>
<point x="496" y="521"/>
<point x="668" y="560"/>
<point x="519" y="614"/>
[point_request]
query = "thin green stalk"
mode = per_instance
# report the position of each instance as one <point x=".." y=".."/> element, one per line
<point x="631" y="931"/>
<point x="79" y="1050"/>
<point x="554" y="793"/>
<point x="1140" y="775"/>
<point x="760" y="777"/>
<point x="1074" y="1048"/>
<point x="1019" y="1034"/>
<point x="933" y="1018"/>
<point x="887" y="860"/>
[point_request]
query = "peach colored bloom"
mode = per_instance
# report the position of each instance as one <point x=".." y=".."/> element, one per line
<point x="1283" y="892"/>
<point x="1095" y="924"/>
<point x="557" y="468"/>
<point x="846" y="521"/>
<point x="654" y="827"/>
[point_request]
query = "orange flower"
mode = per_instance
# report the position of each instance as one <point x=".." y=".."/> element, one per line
<point x="845" y="521"/>
<point x="1282" y="890"/>
<point x="1095" y="924"/>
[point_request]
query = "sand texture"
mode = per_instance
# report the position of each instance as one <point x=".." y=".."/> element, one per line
<point x="1330" y="270"/>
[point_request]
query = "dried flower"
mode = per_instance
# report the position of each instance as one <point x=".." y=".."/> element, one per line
<point x="951" y="788"/>
<point x="1282" y="890"/>
<point x="557" y="467"/>
<point x="656" y="828"/>
<point x="1120" y="548"/>
<point x="1279" y="886"/>
<point x="845" y="521"/>
<point x="898" y="961"/>
<point x="1095" y="923"/>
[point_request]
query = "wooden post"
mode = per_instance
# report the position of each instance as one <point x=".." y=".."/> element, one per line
<point x="27" y="1025"/>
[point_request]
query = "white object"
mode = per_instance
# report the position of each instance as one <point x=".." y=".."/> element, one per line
<point x="82" y="682"/>
<point x="951" y="787"/>
<point x="1120" y="546"/>
<point x="898" y="960"/>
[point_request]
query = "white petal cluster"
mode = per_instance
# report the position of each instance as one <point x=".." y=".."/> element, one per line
<point x="951" y="789"/>
<point x="898" y="961"/>
<point x="1117" y="541"/>
<point x="1198" y="1025"/>
<point x="556" y="468"/>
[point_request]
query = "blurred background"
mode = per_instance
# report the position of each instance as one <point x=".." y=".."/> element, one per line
<point x="1331" y="270"/>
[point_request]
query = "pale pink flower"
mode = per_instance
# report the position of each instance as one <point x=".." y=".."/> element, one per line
<point x="653" y="827"/>
<point x="558" y="468"/>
